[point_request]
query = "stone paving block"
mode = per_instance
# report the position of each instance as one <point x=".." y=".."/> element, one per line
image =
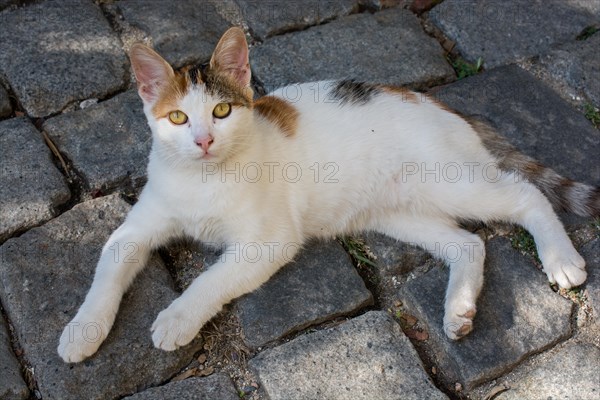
<point x="388" y="47"/>
<point x="394" y="257"/>
<point x="572" y="373"/>
<point x="107" y="143"/>
<point x="518" y="314"/>
<point x="58" y="52"/>
<point x="502" y="32"/>
<point x="320" y="284"/>
<point x="217" y="386"/>
<point x="367" y="357"/>
<point x="30" y="185"/>
<point x="12" y="386"/>
<point x="5" y="107"/>
<point x="591" y="253"/>
<point x="268" y="18"/>
<point x="183" y="32"/>
<point x="44" y="276"/>
<point x="533" y="117"/>
<point x="188" y="259"/>
<point x="576" y="65"/>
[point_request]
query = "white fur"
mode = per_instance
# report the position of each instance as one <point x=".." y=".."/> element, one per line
<point x="373" y="149"/>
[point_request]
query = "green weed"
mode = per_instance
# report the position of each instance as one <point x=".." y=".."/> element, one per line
<point x="523" y="241"/>
<point x="587" y="32"/>
<point x="356" y="248"/>
<point x="464" y="69"/>
<point x="592" y="113"/>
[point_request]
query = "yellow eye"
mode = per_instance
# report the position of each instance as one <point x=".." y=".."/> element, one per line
<point x="222" y="110"/>
<point x="178" y="117"/>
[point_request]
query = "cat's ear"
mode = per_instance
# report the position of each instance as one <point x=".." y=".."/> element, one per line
<point x="231" y="56"/>
<point x="151" y="71"/>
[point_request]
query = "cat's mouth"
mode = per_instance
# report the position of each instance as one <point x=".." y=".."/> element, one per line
<point x="207" y="155"/>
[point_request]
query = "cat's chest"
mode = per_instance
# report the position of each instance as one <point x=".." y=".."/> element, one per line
<point x="207" y="211"/>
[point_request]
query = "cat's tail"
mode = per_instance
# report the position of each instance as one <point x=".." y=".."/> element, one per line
<point x="564" y="194"/>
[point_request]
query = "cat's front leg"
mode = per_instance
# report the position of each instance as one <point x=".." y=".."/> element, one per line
<point x="234" y="275"/>
<point x="114" y="273"/>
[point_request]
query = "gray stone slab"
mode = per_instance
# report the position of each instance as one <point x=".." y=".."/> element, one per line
<point x="518" y="314"/>
<point x="182" y="31"/>
<point x="30" y="185"/>
<point x="5" y="106"/>
<point x="12" y="386"/>
<point x="533" y="117"/>
<point x="571" y="373"/>
<point x="188" y="259"/>
<point x="388" y="47"/>
<point x="502" y="32"/>
<point x="44" y="277"/>
<point x="217" y="386"/>
<point x="268" y="18"/>
<point x="591" y="253"/>
<point x="394" y="257"/>
<point x="320" y="284"/>
<point x="108" y="143"/>
<point x="367" y="357"/>
<point x="58" y="52"/>
<point x="575" y="65"/>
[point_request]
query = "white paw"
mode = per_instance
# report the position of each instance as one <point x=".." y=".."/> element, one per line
<point x="566" y="269"/>
<point x="173" y="328"/>
<point x="81" y="338"/>
<point x="458" y="322"/>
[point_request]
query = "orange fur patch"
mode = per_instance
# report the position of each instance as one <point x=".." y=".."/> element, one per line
<point x="279" y="112"/>
<point x="406" y="94"/>
<point x="170" y="95"/>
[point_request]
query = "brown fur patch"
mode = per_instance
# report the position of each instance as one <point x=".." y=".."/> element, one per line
<point x="224" y="86"/>
<point x="215" y="84"/>
<point x="406" y="94"/>
<point x="170" y="95"/>
<point x="279" y="112"/>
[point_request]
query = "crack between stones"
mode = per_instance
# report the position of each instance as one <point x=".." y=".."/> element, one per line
<point x="357" y="9"/>
<point x="26" y="370"/>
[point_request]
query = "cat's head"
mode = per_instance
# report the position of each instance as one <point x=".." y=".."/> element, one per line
<point x="200" y="113"/>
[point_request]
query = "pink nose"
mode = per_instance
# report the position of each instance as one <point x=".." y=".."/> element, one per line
<point x="204" y="142"/>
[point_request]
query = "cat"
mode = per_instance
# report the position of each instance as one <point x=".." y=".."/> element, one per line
<point x="340" y="157"/>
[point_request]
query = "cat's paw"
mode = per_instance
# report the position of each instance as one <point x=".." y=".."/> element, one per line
<point x="173" y="328"/>
<point x="566" y="270"/>
<point x="81" y="338"/>
<point x="458" y="323"/>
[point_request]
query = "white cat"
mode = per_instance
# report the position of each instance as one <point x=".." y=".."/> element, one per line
<point x="264" y="176"/>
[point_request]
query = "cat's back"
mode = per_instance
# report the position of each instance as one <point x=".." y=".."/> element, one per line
<point x="382" y="119"/>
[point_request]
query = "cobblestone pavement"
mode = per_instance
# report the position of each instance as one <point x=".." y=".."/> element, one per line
<point x="74" y="143"/>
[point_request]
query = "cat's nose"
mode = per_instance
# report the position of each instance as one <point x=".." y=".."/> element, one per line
<point x="204" y="142"/>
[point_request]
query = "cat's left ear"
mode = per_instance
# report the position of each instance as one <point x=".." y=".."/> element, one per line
<point x="231" y="56"/>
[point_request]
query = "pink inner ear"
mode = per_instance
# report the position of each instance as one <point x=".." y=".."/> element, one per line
<point x="147" y="92"/>
<point x="231" y="56"/>
<point x="151" y="72"/>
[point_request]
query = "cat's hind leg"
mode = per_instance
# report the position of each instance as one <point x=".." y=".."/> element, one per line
<point x="561" y="262"/>
<point x="512" y="199"/>
<point x="463" y="251"/>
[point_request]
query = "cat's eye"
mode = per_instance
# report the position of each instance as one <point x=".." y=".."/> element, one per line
<point x="178" y="117"/>
<point x="222" y="110"/>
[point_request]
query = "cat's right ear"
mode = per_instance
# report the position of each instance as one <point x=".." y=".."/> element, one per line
<point x="151" y="71"/>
